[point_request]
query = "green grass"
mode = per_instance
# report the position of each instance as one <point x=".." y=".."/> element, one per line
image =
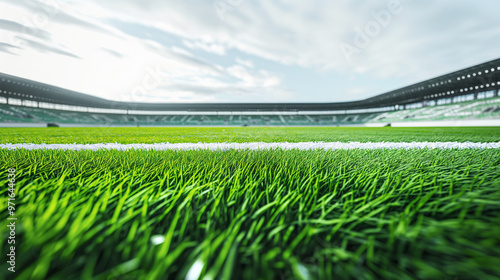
<point x="358" y="214"/>
<point x="244" y="134"/>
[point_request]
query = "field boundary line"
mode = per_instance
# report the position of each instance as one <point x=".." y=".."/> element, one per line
<point x="257" y="146"/>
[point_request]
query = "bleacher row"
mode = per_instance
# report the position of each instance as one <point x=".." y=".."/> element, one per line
<point x="478" y="109"/>
<point x="472" y="110"/>
<point x="18" y="114"/>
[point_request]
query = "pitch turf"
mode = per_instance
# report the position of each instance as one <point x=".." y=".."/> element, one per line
<point x="244" y="134"/>
<point x="358" y="214"/>
<point x="382" y="214"/>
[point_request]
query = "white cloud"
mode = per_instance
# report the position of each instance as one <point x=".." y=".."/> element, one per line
<point x="104" y="48"/>
<point x="213" y="48"/>
<point x="308" y="33"/>
<point x="245" y="62"/>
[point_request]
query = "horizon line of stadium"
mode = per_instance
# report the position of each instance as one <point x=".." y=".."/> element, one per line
<point x="25" y="101"/>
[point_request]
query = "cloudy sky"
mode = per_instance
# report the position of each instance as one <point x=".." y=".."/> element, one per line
<point x="243" y="50"/>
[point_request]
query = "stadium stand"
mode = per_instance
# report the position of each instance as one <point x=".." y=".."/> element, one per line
<point x="472" y="110"/>
<point x="20" y="114"/>
<point x="468" y="94"/>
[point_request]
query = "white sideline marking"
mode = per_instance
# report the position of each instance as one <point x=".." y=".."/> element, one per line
<point x="256" y="146"/>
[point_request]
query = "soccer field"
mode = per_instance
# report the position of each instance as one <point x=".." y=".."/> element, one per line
<point x="127" y="135"/>
<point x="253" y="214"/>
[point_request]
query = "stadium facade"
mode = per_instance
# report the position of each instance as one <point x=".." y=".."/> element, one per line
<point x="468" y="96"/>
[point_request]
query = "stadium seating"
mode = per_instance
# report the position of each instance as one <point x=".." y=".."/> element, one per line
<point x="482" y="109"/>
<point x="472" y="110"/>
